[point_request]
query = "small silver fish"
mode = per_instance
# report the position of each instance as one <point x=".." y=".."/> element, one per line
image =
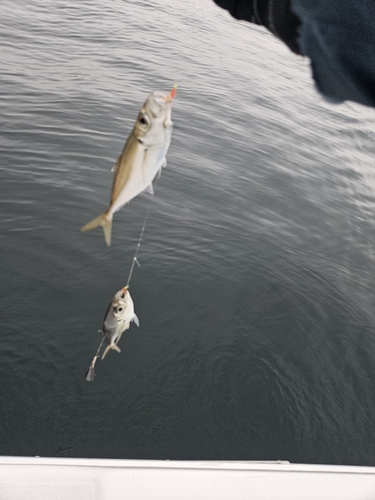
<point x="117" y="319"/>
<point x="143" y="156"/>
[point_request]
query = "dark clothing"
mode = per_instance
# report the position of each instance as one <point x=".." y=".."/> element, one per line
<point x="337" y="35"/>
<point x="275" y="16"/>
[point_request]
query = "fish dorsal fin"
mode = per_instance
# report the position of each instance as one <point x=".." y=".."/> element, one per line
<point x="116" y="166"/>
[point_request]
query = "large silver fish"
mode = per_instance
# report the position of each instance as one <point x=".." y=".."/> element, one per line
<point x="143" y="156"/>
<point x="117" y="319"/>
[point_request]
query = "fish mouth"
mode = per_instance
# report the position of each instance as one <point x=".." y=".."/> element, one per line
<point x="169" y="97"/>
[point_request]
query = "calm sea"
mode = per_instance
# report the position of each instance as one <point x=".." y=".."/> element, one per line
<point x="255" y="294"/>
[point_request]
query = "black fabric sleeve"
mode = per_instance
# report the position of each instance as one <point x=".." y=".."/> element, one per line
<point x="338" y="36"/>
<point x="275" y="15"/>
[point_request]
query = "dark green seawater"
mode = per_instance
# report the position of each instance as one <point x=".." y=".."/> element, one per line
<point x="256" y="293"/>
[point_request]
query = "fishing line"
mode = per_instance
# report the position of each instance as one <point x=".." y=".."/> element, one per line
<point x="135" y="258"/>
<point x="90" y="375"/>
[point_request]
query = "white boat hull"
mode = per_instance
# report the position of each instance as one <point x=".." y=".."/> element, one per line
<point x="101" y="479"/>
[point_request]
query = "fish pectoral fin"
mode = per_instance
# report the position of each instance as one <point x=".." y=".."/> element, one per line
<point x="150" y="189"/>
<point x="103" y="220"/>
<point x="163" y="165"/>
<point x="135" y="319"/>
<point x="144" y="162"/>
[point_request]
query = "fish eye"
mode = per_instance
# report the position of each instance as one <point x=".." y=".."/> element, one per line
<point x="122" y="295"/>
<point x="120" y="309"/>
<point x="143" y="119"/>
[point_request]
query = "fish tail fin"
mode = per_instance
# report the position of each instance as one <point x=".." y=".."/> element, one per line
<point x="109" y="348"/>
<point x="107" y="229"/>
<point x="104" y="220"/>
